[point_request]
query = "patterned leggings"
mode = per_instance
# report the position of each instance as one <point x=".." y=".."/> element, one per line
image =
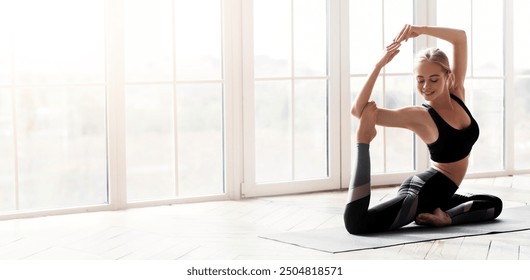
<point x="421" y="193"/>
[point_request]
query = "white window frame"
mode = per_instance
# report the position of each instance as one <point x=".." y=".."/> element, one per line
<point x="249" y="187"/>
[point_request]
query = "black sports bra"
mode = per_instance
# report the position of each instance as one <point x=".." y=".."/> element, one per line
<point x="452" y="144"/>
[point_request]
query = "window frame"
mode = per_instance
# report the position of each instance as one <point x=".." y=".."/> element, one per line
<point x="249" y="186"/>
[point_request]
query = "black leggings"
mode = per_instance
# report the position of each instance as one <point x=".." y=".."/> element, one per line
<point x="421" y="193"/>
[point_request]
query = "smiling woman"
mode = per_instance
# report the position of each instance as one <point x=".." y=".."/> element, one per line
<point x="433" y="77"/>
<point x="428" y="198"/>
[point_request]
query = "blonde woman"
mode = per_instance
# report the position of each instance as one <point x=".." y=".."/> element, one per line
<point x="444" y="123"/>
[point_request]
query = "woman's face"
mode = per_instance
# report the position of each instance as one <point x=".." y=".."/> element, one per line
<point x="431" y="80"/>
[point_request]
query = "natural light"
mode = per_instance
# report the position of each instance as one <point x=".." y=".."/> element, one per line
<point x="114" y="104"/>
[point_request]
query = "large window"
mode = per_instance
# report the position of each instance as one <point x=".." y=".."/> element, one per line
<point x="52" y="105"/>
<point x="292" y="123"/>
<point x="121" y="103"/>
<point x="173" y="98"/>
<point x="291" y="89"/>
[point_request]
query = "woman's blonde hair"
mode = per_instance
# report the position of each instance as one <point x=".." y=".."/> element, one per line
<point x="437" y="56"/>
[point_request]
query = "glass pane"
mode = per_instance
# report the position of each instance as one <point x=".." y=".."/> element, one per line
<point x="200" y="139"/>
<point x="399" y="142"/>
<point x="397" y="13"/>
<point x="273" y="131"/>
<point x="150" y="142"/>
<point x="366" y="44"/>
<point x="522" y="125"/>
<point x="62" y="146"/>
<point x="521" y="46"/>
<point x="310" y="24"/>
<point x="488" y="38"/>
<point x="148" y="40"/>
<point x="6" y="47"/>
<point x="485" y="100"/>
<point x="5" y="65"/>
<point x="198" y="42"/>
<point x="455" y="14"/>
<point x="49" y="45"/>
<point x="7" y="152"/>
<point x="272" y="38"/>
<point x="310" y="129"/>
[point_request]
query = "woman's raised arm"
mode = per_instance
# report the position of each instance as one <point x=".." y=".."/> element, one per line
<point x="456" y="37"/>
<point x="363" y="96"/>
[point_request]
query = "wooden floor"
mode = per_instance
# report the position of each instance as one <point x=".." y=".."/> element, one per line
<point x="229" y="230"/>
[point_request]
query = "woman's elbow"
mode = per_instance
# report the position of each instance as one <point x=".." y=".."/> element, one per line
<point x="355" y="112"/>
<point x="462" y="36"/>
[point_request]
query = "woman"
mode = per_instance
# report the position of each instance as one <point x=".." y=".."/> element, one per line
<point x="444" y="123"/>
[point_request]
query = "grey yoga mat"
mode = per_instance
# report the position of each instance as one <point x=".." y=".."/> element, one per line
<point x="338" y="240"/>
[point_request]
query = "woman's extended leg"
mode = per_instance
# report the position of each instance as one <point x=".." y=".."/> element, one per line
<point x="390" y="214"/>
<point x="359" y="191"/>
<point x="366" y="132"/>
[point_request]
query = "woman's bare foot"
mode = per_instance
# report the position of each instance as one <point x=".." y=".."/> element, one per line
<point x="437" y="218"/>
<point x="366" y="131"/>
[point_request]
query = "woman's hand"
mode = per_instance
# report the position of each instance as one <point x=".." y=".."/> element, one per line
<point x="391" y="51"/>
<point x="408" y="31"/>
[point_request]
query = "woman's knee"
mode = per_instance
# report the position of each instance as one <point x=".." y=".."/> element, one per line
<point x="354" y="218"/>
<point x="493" y="201"/>
<point x="497" y="204"/>
<point x="354" y="228"/>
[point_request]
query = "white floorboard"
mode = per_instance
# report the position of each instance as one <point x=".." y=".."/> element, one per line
<point x="229" y="230"/>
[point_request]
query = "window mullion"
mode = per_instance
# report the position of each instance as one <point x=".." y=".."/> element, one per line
<point x="424" y="14"/>
<point x="293" y="100"/>
<point x="175" y="105"/>
<point x="344" y="84"/>
<point x="12" y="89"/>
<point x="247" y="54"/>
<point x="117" y="190"/>
<point x="233" y="97"/>
<point x="509" y="88"/>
